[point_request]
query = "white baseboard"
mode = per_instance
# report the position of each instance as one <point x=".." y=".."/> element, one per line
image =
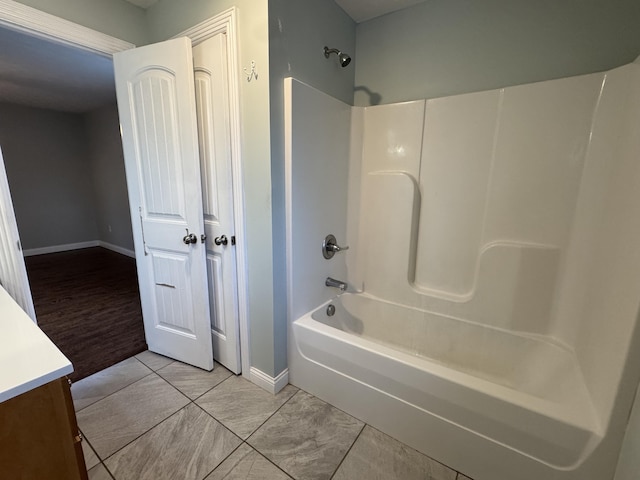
<point x="78" y="246"/>
<point x="60" y="248"/>
<point x="270" y="384"/>
<point x="117" y="249"/>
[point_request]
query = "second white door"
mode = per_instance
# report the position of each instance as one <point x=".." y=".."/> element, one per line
<point x="216" y="157"/>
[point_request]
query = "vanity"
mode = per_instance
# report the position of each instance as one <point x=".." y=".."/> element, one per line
<point x="39" y="435"/>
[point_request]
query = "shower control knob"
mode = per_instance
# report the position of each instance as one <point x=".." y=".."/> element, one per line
<point x="330" y="247"/>
<point x="221" y="240"/>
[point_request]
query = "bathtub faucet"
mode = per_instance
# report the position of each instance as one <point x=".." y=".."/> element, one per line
<point x="332" y="282"/>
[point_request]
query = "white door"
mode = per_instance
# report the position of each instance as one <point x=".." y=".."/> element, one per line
<point x="13" y="273"/>
<point x="156" y="101"/>
<point x="214" y="133"/>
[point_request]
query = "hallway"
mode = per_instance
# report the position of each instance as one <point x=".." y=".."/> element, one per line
<point x="87" y="303"/>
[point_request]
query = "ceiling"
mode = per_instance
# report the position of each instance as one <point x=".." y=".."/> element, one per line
<point x="363" y="10"/>
<point x="143" y="3"/>
<point x="43" y="74"/>
<point x="359" y="10"/>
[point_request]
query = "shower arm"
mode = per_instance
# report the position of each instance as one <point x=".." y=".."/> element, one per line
<point x="328" y="51"/>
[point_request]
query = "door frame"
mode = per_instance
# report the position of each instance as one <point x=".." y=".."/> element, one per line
<point x="34" y="22"/>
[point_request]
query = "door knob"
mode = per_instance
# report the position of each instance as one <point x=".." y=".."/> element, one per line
<point x="189" y="238"/>
<point x="222" y="240"/>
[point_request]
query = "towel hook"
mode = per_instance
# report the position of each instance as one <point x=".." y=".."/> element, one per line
<point x="253" y="73"/>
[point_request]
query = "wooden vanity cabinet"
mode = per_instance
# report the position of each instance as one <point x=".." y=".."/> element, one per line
<point x="39" y="436"/>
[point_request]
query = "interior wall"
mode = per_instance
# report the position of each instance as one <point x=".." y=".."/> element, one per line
<point x="45" y="154"/>
<point x="298" y="32"/>
<point x="113" y="219"/>
<point x="446" y="47"/>
<point x="117" y="18"/>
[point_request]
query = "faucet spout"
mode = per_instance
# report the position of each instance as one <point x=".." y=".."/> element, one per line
<point x="332" y="282"/>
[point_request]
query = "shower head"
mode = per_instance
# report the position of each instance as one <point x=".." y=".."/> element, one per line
<point x="343" y="58"/>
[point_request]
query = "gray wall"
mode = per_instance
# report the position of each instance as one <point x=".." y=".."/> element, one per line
<point x="109" y="184"/>
<point x="45" y="154"/>
<point x="298" y="32"/>
<point x="117" y="18"/>
<point x="445" y="47"/>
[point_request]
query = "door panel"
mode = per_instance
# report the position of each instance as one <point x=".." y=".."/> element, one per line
<point x="156" y="101"/>
<point x="172" y="302"/>
<point x="214" y="133"/>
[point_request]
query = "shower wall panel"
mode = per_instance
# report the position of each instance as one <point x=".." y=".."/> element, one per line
<point x="601" y="286"/>
<point x="457" y="154"/>
<point x="498" y="175"/>
<point x="541" y="143"/>
<point x="317" y="166"/>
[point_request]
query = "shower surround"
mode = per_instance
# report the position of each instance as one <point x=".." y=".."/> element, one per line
<point x="493" y="270"/>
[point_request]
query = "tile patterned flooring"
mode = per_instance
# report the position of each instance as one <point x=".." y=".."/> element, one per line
<point x="149" y="417"/>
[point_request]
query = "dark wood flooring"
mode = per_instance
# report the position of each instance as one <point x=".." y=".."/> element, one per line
<point x="87" y="302"/>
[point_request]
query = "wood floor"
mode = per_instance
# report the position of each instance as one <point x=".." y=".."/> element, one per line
<point x="87" y="302"/>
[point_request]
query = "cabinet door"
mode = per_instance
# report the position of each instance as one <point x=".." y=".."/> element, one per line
<point x="39" y="437"/>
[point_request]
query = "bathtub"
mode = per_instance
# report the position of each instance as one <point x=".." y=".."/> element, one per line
<point x="441" y="384"/>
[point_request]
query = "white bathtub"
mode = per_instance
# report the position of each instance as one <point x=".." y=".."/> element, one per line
<point x="442" y="384"/>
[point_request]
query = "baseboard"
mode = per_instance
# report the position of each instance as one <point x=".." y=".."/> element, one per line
<point x="270" y="384"/>
<point x="117" y="249"/>
<point x="78" y="246"/>
<point x="60" y="248"/>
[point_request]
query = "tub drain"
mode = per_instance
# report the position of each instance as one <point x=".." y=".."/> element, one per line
<point x="331" y="310"/>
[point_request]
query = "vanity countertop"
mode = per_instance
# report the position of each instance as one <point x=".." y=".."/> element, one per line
<point x="28" y="359"/>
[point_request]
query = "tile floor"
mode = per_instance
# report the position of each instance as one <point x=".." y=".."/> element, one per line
<point x="149" y="417"/>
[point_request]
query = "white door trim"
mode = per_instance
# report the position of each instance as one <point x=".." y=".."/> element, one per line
<point x="16" y="16"/>
<point x="225" y="22"/>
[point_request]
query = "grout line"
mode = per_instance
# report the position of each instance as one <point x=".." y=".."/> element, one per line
<point x="348" y="451"/>
<point x="332" y="405"/>
<point x="225" y="458"/>
<point x="174" y="387"/>
<point x="216" y="385"/>
<point x="269" y="418"/>
<point x="149" y="366"/>
<point x="114" y="392"/>
<point x="268" y="460"/>
<point x="103" y="466"/>
<point x="154" y="426"/>
<point x="122" y="388"/>
<point x="228" y="428"/>
<point x="144" y="433"/>
<point x="108" y="471"/>
<point x="222" y="424"/>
